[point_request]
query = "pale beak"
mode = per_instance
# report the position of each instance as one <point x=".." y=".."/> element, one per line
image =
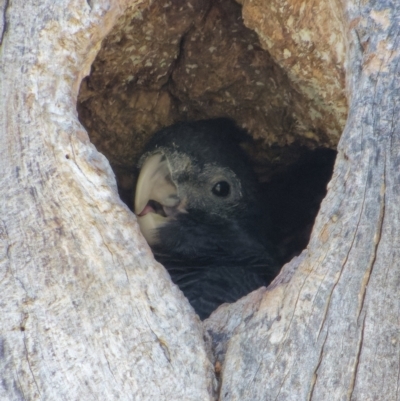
<point x="156" y="196"/>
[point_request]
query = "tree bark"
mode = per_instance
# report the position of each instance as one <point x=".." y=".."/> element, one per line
<point x="328" y="327"/>
<point x="86" y="311"/>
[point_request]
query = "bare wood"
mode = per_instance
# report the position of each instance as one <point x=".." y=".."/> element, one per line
<point x="86" y="312"/>
<point x="306" y="39"/>
<point x="327" y="329"/>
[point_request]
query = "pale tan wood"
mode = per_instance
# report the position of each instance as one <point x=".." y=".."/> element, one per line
<point x="306" y="38"/>
<point x="328" y="328"/>
<point x="87" y="314"/>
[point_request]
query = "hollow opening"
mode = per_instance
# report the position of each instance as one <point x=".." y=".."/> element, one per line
<point x="180" y="61"/>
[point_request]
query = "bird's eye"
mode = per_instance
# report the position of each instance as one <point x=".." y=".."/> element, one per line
<point x="221" y="188"/>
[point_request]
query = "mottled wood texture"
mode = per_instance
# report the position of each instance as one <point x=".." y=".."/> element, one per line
<point x="328" y="328"/>
<point x="87" y="314"/>
<point x="306" y="39"/>
<point x="179" y="60"/>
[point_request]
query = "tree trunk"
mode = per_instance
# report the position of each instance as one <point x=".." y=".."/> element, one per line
<point x="328" y="327"/>
<point x="87" y="314"/>
<point x="86" y="311"/>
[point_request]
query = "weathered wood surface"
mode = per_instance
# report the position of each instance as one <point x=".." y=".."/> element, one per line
<point x="87" y="314"/>
<point x="179" y="60"/>
<point x="306" y="39"/>
<point x="328" y="328"/>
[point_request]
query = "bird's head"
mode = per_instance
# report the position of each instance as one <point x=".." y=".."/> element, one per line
<point x="195" y="179"/>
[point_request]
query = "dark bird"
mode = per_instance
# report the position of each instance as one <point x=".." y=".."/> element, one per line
<point x="198" y="206"/>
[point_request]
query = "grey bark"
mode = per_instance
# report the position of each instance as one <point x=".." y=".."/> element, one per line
<point x="328" y="328"/>
<point x="86" y="312"/>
